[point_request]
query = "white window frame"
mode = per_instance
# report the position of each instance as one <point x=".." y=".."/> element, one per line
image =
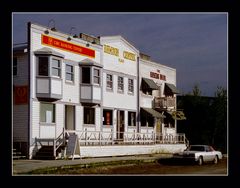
<point x="57" y="68"/>
<point x="130" y="86"/>
<point x="109" y="81"/>
<point x="96" y="76"/>
<point x="120" y="84"/>
<point x="69" y="73"/>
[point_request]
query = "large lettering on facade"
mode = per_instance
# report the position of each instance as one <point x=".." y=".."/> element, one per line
<point x="129" y="55"/>
<point x="111" y="50"/>
<point x="157" y="75"/>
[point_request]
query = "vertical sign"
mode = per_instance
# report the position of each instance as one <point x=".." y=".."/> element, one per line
<point x="21" y="94"/>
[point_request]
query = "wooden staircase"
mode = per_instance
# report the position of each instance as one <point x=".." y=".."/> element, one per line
<point x="47" y="153"/>
<point x="17" y="154"/>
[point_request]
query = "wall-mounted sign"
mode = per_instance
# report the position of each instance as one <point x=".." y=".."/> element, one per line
<point x="157" y="76"/>
<point x="21" y="94"/>
<point x="53" y="42"/>
<point x="129" y="55"/>
<point x="111" y="50"/>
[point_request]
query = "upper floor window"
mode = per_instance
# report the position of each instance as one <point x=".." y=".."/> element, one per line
<point x="14" y="66"/>
<point x="96" y="76"/>
<point x="130" y="85"/>
<point x="56" y="67"/>
<point x="120" y="84"/>
<point x="109" y="82"/>
<point x="86" y="75"/>
<point x="69" y="73"/>
<point x="43" y="66"/>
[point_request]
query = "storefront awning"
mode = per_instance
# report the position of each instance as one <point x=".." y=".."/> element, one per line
<point x="150" y="83"/>
<point x="154" y="113"/>
<point x="177" y="115"/>
<point x="172" y="88"/>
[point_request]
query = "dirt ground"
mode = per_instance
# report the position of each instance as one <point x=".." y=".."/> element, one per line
<point x="157" y="168"/>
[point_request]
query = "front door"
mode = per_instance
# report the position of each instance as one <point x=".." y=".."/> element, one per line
<point x="120" y="124"/>
<point x="69" y="117"/>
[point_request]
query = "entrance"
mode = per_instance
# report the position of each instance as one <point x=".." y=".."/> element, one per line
<point x="69" y="117"/>
<point x="120" y="124"/>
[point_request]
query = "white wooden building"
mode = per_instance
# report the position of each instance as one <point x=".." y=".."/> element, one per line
<point x="100" y="88"/>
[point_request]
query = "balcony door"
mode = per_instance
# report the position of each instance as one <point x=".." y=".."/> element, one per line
<point x="69" y="117"/>
<point x="120" y="124"/>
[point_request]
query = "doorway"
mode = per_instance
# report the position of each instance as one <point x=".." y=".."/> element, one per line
<point x="120" y="124"/>
<point x="69" y="117"/>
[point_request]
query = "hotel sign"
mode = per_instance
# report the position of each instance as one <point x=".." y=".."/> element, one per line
<point x="60" y="44"/>
<point x="115" y="51"/>
<point x="157" y="75"/>
<point x="128" y="55"/>
<point x="111" y="50"/>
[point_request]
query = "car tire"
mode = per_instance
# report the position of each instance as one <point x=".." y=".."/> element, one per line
<point x="215" y="161"/>
<point x="200" y="160"/>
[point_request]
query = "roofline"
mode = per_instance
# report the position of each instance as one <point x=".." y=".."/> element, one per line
<point x="122" y="38"/>
<point x="156" y="64"/>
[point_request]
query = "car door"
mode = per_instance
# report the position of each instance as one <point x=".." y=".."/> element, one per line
<point x="209" y="154"/>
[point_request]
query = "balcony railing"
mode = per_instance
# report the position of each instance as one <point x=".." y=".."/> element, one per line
<point x="164" y="102"/>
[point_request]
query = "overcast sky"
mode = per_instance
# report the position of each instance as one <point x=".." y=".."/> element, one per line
<point x="193" y="43"/>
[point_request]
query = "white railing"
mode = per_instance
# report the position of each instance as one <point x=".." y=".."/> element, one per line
<point x="87" y="138"/>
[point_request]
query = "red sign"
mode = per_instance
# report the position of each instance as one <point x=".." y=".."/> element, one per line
<point x="21" y="94"/>
<point x="157" y="76"/>
<point x="53" y="42"/>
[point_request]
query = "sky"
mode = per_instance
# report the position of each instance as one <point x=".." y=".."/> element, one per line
<point x="195" y="44"/>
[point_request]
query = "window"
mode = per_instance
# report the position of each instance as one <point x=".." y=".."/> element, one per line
<point x="56" y="68"/>
<point x="96" y="76"/>
<point x="14" y="66"/>
<point x="109" y="81"/>
<point x="69" y="72"/>
<point x="43" y="66"/>
<point x="131" y="118"/>
<point x="47" y="112"/>
<point x="120" y="84"/>
<point x="89" y="115"/>
<point x="86" y="75"/>
<point x="107" y="117"/>
<point x="130" y="85"/>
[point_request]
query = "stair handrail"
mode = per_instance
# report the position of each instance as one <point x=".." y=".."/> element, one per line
<point x="61" y="140"/>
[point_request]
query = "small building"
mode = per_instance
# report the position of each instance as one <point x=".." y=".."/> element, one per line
<point x="101" y="89"/>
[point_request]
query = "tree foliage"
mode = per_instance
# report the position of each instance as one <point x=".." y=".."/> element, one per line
<point x="206" y="118"/>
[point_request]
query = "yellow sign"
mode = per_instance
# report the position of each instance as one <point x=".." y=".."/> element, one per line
<point x="111" y="50"/>
<point x="128" y="55"/>
<point x="120" y="60"/>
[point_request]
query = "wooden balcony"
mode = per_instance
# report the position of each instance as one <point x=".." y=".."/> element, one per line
<point x="164" y="102"/>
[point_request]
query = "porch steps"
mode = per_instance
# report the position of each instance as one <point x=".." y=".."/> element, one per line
<point x="17" y="154"/>
<point x="46" y="153"/>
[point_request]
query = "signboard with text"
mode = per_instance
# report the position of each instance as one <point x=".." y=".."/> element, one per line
<point x="63" y="45"/>
<point x="21" y="94"/>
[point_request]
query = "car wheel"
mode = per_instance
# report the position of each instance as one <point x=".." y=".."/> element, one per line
<point x="200" y="160"/>
<point x="215" y="161"/>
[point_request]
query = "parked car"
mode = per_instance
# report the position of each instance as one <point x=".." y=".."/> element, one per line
<point x="199" y="154"/>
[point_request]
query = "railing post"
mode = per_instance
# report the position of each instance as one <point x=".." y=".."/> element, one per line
<point x="112" y="135"/>
<point x="85" y="136"/>
<point x="54" y="148"/>
<point x="134" y="136"/>
<point x="100" y="138"/>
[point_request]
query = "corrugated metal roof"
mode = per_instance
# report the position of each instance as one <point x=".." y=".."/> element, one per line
<point x="154" y="113"/>
<point x="172" y="88"/>
<point x="150" y="83"/>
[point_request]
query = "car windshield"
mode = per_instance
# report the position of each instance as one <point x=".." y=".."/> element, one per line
<point x="196" y="148"/>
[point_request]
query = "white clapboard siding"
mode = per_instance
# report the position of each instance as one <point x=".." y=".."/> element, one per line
<point x="35" y="119"/>
<point x="79" y="118"/>
<point x="60" y="120"/>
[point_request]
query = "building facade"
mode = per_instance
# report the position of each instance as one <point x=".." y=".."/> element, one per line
<point x="100" y="88"/>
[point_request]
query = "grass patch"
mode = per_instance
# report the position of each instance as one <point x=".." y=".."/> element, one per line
<point x="92" y="168"/>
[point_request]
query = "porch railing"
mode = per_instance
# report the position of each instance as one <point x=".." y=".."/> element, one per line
<point x="164" y="102"/>
<point x="87" y="138"/>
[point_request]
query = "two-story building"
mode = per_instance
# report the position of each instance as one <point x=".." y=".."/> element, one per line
<point x="101" y="89"/>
